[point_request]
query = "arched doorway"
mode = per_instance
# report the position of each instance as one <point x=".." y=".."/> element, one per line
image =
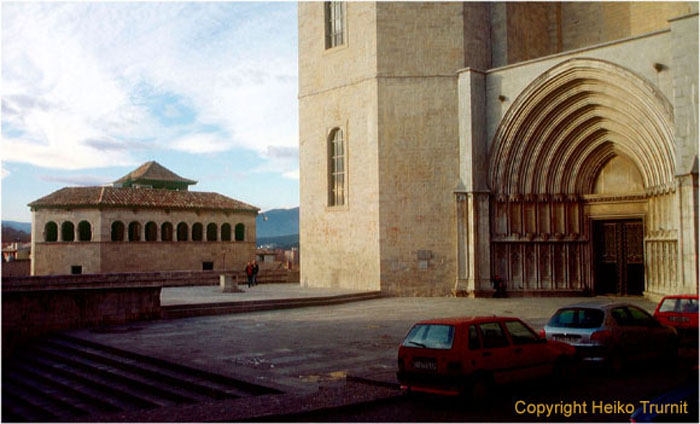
<point x="582" y="178"/>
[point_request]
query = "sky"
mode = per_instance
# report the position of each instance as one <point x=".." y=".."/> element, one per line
<point x="91" y="90"/>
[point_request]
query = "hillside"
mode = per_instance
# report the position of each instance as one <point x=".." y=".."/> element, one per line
<point x="11" y="235"/>
<point x="277" y="222"/>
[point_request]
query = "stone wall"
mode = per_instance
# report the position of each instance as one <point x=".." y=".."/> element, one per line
<point x="340" y="244"/>
<point x="17" y="268"/>
<point x="32" y="312"/>
<point x="102" y="255"/>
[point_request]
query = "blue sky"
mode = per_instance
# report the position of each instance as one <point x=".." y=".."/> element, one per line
<point x="92" y="90"/>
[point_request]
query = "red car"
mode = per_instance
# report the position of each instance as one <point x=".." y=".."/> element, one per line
<point x="455" y="355"/>
<point x="679" y="311"/>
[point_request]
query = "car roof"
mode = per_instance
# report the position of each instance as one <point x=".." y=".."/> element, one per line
<point x="597" y="304"/>
<point x="466" y="320"/>
<point x="680" y="296"/>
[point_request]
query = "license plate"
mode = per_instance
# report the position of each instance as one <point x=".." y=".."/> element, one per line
<point x="679" y="319"/>
<point x="567" y="339"/>
<point x="425" y="364"/>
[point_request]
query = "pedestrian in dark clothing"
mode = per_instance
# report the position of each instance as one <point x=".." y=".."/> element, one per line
<point x="249" y="273"/>
<point x="255" y="273"/>
<point x="499" y="285"/>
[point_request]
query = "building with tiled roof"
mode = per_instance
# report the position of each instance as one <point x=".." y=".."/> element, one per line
<point x="147" y="220"/>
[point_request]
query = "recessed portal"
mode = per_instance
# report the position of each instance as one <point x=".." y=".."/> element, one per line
<point x="619" y="257"/>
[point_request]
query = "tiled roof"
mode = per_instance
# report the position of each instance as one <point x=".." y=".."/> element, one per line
<point x="138" y="197"/>
<point x="153" y="171"/>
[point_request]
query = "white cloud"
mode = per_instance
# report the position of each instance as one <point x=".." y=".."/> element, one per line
<point x="292" y="175"/>
<point x="77" y="78"/>
<point x="201" y="143"/>
<point x="5" y="172"/>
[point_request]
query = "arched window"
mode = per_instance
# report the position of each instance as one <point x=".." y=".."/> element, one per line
<point x="67" y="231"/>
<point x="117" y="231"/>
<point x="335" y="34"/>
<point x="182" y="232"/>
<point x="166" y="231"/>
<point x="211" y="232"/>
<point x="226" y="232"/>
<point x="240" y="232"/>
<point x="197" y="230"/>
<point x="84" y="231"/>
<point x="51" y="231"/>
<point x="336" y="168"/>
<point x="151" y="231"/>
<point x="134" y="231"/>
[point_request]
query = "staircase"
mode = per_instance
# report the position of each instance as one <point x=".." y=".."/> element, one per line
<point x="64" y="379"/>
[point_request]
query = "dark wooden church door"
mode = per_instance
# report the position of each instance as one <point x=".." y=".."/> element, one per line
<point x="619" y="257"/>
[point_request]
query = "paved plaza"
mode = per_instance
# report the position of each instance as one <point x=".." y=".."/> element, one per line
<point x="301" y="350"/>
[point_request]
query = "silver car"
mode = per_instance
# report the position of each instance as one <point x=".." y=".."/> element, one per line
<point x="612" y="333"/>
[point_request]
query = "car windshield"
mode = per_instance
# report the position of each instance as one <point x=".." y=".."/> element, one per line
<point x="679" y="305"/>
<point x="577" y="318"/>
<point x="430" y="336"/>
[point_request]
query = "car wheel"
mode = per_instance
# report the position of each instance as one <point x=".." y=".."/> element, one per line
<point x="480" y="389"/>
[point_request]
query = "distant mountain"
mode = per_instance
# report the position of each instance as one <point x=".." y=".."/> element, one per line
<point x="277" y="222"/>
<point x="16" y="231"/>
<point x="19" y="226"/>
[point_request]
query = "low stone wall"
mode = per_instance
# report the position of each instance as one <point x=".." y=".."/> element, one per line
<point x="18" y="268"/>
<point x="29" y="312"/>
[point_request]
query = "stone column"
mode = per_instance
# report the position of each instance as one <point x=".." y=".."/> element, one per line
<point x="684" y="51"/>
<point x="472" y="194"/>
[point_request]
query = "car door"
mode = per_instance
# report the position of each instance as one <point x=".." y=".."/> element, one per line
<point x="496" y="352"/>
<point x="656" y="338"/>
<point x="531" y="356"/>
<point x="630" y="335"/>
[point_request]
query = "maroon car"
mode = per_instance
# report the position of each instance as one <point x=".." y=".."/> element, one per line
<point x="455" y="355"/>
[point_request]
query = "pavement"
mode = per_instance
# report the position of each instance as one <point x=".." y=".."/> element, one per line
<point x="338" y="352"/>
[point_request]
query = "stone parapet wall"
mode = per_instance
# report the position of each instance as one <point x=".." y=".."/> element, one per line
<point x="32" y="312"/>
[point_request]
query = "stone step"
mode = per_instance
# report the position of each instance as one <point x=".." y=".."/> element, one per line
<point x="102" y="372"/>
<point x="201" y="309"/>
<point x="103" y="393"/>
<point x="63" y="378"/>
<point x="213" y="385"/>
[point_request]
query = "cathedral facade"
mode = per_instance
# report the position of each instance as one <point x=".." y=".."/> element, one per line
<point x="550" y="145"/>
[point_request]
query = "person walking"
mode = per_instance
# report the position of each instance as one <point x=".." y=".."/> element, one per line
<point x="255" y="272"/>
<point x="249" y="273"/>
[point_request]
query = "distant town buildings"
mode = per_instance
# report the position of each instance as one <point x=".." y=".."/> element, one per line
<point x="552" y="145"/>
<point x="147" y="220"/>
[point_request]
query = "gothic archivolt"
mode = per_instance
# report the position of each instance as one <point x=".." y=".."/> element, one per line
<point x="571" y="121"/>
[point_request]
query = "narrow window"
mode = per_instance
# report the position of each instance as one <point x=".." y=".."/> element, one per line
<point x="117" y="231"/>
<point x="197" y="230"/>
<point x="51" y="231"/>
<point x="182" y="232"/>
<point x="336" y="168"/>
<point x="226" y="232"/>
<point x="211" y="232"/>
<point x="67" y="231"/>
<point x="151" y="231"/>
<point x="335" y="32"/>
<point x="134" y="231"/>
<point x="76" y="269"/>
<point x="166" y="231"/>
<point x="240" y="232"/>
<point x="207" y="266"/>
<point x="84" y="231"/>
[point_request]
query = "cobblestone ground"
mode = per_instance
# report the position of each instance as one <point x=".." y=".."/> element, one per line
<point x="300" y="350"/>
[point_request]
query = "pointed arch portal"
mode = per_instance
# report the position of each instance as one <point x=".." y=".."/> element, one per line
<point x="586" y="148"/>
